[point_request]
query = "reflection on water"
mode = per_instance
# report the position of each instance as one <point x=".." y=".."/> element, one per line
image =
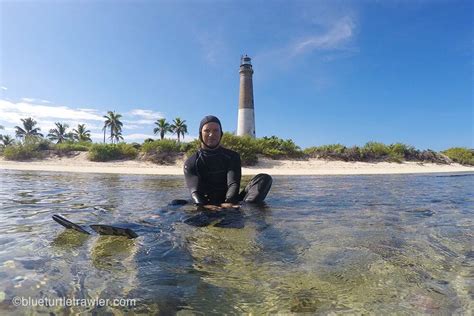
<point x="348" y="244"/>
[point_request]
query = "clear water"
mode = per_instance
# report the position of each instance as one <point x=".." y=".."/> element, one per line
<point x="398" y="244"/>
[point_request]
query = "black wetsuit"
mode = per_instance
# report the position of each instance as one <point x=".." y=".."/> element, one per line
<point x="213" y="176"/>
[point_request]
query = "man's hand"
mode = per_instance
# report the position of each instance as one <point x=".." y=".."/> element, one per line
<point x="211" y="207"/>
<point x="230" y="205"/>
<point x="216" y="208"/>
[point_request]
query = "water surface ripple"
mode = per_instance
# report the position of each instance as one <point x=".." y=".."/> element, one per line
<point x="345" y="244"/>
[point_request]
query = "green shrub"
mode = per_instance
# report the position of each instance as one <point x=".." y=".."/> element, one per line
<point x="161" y="146"/>
<point x="71" y="146"/>
<point x="164" y="151"/>
<point x="107" y="152"/>
<point x="37" y="143"/>
<point x="460" y="155"/>
<point x="371" y="151"/>
<point x="244" y="145"/>
<point x="21" y="152"/>
<point x="137" y="146"/>
<point x="191" y="147"/>
<point x="31" y="147"/>
<point x="333" y="151"/>
<point x="275" y="147"/>
<point x="352" y="154"/>
<point x="127" y="151"/>
<point x="374" y="151"/>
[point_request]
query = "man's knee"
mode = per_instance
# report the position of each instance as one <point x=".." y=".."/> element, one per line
<point x="258" y="188"/>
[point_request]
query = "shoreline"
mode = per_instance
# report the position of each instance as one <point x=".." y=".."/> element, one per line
<point x="80" y="164"/>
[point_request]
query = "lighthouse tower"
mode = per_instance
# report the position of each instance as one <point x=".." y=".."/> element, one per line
<point x="246" y="119"/>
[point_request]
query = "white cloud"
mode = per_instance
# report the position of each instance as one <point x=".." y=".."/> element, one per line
<point x="135" y="123"/>
<point x="335" y="38"/>
<point x="12" y="112"/>
<point x="143" y="117"/>
<point x="99" y="137"/>
<point x="46" y="116"/>
<point x="3" y="88"/>
<point x="32" y="100"/>
<point x="88" y="110"/>
<point x="332" y="38"/>
<point x="140" y="137"/>
<point x="146" y="114"/>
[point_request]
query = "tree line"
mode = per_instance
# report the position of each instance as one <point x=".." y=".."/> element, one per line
<point x="112" y="124"/>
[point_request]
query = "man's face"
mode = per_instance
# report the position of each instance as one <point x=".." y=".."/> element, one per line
<point x="211" y="134"/>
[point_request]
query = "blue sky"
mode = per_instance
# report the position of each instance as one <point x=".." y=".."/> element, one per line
<point x="325" y="71"/>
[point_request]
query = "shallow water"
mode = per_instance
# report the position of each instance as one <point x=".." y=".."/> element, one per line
<point x="342" y="244"/>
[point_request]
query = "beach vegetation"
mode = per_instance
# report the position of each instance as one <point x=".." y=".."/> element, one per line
<point x="60" y="134"/>
<point x="179" y="127"/>
<point x="246" y="146"/>
<point x="69" y="146"/>
<point x="460" y="155"/>
<point x="31" y="147"/>
<point x="113" y="123"/>
<point x="163" y="151"/>
<point x="108" y="152"/>
<point x="372" y="151"/>
<point x="28" y="129"/>
<point x="191" y="147"/>
<point x="20" y="152"/>
<point x="375" y="152"/>
<point x="162" y="145"/>
<point x="6" y="140"/>
<point x="277" y="148"/>
<point x="162" y="127"/>
<point x="81" y="133"/>
<point x="333" y="152"/>
<point x="137" y="146"/>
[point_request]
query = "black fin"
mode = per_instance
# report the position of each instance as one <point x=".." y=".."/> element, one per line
<point x="113" y="230"/>
<point x="70" y="225"/>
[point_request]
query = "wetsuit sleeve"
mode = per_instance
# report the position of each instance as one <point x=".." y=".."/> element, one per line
<point x="192" y="180"/>
<point x="233" y="180"/>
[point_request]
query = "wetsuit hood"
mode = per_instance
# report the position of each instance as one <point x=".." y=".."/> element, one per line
<point x="209" y="119"/>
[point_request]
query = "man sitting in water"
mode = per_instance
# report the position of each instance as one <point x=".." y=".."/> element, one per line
<point x="213" y="173"/>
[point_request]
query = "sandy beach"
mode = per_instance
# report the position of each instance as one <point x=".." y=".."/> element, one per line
<point x="80" y="163"/>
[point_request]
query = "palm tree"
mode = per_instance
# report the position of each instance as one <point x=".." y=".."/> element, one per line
<point x="81" y="133"/>
<point x="162" y="127"/>
<point x="179" y="127"/>
<point x="112" y="121"/>
<point x="28" y="130"/>
<point x="118" y="136"/>
<point x="7" y="140"/>
<point x="59" y="133"/>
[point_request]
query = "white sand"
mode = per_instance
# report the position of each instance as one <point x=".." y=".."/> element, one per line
<point x="80" y="163"/>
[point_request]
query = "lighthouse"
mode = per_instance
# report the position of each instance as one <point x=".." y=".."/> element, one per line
<point x="246" y="117"/>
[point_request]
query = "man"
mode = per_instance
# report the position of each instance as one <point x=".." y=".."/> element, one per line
<point x="213" y="173"/>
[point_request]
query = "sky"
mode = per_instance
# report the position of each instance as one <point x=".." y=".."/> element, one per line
<point x="325" y="72"/>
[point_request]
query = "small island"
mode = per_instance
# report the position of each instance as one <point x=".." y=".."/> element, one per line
<point x="73" y="151"/>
